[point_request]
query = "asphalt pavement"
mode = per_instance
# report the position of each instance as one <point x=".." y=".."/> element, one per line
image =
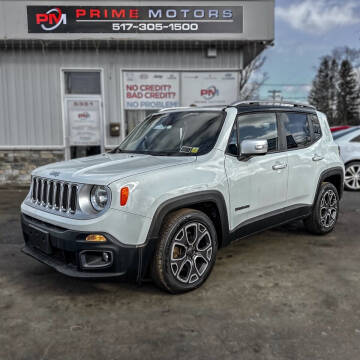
<point x="282" y="294"/>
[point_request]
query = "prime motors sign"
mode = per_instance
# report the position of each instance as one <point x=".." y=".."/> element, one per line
<point x="135" y="19"/>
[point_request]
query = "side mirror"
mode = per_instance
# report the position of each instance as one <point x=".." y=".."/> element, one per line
<point x="254" y="147"/>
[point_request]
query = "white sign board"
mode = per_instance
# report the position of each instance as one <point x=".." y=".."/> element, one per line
<point x="151" y="90"/>
<point x="209" y="88"/>
<point x="84" y="122"/>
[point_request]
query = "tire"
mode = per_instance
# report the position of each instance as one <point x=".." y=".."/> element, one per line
<point x="186" y="251"/>
<point x="325" y="211"/>
<point x="352" y="176"/>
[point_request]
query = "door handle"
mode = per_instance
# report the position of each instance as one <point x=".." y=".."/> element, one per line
<point x="317" y="157"/>
<point x="279" y="166"/>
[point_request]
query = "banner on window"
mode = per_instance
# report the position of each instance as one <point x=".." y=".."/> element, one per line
<point x="84" y="122"/>
<point x="209" y="88"/>
<point x="151" y="90"/>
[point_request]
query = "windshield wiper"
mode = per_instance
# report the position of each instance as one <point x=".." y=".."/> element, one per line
<point x="116" y="150"/>
<point x="151" y="153"/>
<point x="167" y="153"/>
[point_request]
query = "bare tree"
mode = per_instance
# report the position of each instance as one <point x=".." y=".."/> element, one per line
<point x="251" y="80"/>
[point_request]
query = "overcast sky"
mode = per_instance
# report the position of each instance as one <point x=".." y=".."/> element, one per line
<point x="305" y="30"/>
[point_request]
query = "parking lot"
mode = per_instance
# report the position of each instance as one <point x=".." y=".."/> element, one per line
<point x="283" y="294"/>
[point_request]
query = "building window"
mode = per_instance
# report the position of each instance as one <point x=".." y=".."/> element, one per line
<point x="82" y="83"/>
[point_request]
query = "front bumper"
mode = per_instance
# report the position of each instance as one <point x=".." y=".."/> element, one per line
<point x="127" y="228"/>
<point x="64" y="249"/>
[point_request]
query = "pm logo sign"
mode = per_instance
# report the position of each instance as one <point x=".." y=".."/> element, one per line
<point x="210" y="92"/>
<point x="51" y="19"/>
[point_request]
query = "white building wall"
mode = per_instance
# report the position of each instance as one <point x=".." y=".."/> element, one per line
<point x="30" y="84"/>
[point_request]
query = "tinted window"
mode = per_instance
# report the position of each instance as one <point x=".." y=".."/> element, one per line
<point x="297" y="130"/>
<point x="316" y="127"/>
<point x="255" y="126"/>
<point x="83" y="82"/>
<point x="356" y="139"/>
<point x="232" y="146"/>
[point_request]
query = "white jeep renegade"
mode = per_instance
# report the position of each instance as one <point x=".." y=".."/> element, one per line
<point x="184" y="183"/>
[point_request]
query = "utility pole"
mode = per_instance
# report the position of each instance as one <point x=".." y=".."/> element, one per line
<point x="274" y="94"/>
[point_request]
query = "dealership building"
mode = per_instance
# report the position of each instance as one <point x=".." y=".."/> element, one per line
<point x="77" y="76"/>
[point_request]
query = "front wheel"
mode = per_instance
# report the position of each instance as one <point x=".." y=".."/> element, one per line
<point x="325" y="211"/>
<point x="186" y="251"/>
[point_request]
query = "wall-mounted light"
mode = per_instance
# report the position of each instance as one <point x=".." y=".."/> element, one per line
<point x="211" y="53"/>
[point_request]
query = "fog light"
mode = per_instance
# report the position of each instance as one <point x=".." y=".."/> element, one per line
<point x="95" y="238"/>
<point x="94" y="259"/>
<point x="106" y="256"/>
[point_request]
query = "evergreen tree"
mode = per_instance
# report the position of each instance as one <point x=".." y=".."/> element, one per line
<point x="348" y="97"/>
<point x="333" y="91"/>
<point x="319" y="94"/>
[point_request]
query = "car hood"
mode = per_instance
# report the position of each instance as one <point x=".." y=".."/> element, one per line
<point x="106" y="168"/>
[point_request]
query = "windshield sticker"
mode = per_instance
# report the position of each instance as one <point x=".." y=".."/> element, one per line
<point x="186" y="149"/>
<point x="189" y="149"/>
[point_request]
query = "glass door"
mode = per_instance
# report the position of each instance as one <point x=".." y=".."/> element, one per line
<point x="83" y="114"/>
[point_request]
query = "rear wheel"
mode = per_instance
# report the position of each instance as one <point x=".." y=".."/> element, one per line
<point x="352" y="176"/>
<point x="186" y="252"/>
<point x="325" y="211"/>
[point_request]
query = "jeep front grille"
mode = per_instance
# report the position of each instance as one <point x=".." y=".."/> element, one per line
<point x="53" y="194"/>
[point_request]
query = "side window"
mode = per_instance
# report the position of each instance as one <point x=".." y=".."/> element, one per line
<point x="232" y="148"/>
<point x="316" y="127"/>
<point x="297" y="130"/>
<point x="356" y="139"/>
<point x="255" y="126"/>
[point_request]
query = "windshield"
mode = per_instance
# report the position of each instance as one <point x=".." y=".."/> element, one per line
<point x="177" y="134"/>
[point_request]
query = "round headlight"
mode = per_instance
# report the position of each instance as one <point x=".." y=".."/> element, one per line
<point x="99" y="197"/>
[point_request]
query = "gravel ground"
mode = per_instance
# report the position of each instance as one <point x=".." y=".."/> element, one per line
<point x="283" y="294"/>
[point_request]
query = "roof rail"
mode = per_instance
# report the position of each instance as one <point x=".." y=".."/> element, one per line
<point x="273" y="103"/>
<point x="175" y="108"/>
<point x="192" y="107"/>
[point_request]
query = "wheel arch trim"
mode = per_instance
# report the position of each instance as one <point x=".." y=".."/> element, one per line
<point x="335" y="171"/>
<point x="351" y="161"/>
<point x="189" y="200"/>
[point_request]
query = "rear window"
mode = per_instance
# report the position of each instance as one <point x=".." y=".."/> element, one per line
<point x="297" y="130"/>
<point x="316" y="127"/>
